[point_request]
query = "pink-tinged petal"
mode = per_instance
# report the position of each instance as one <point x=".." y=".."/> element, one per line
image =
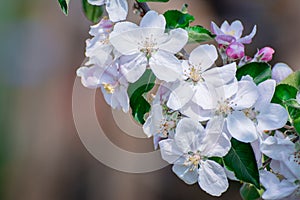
<point x="236" y="29"/>
<point x="280" y="71"/>
<point x="117" y="10"/>
<point x="133" y="67"/>
<point x="212" y="178"/>
<point x="153" y="20"/>
<point x="188" y="135"/>
<point x="235" y="50"/>
<point x="180" y="95"/>
<point x="225" y="26"/>
<point x="215" y="29"/>
<point x="276" y="148"/>
<point x="169" y="150"/>
<point x="265" y="54"/>
<point x="90" y="76"/>
<point x="241" y="127"/>
<point x="204" y="56"/>
<point x="218" y="76"/>
<point x="185" y="173"/>
<point x="246" y="95"/>
<point x="165" y="66"/>
<point x="174" y="41"/>
<point x="103" y="27"/>
<point x="215" y="143"/>
<point x="272" y="117"/>
<point x="225" y="39"/>
<point x="248" y="39"/>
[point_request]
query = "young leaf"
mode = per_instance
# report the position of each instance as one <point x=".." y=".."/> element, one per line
<point x="136" y="91"/>
<point x="293" y="80"/>
<point x="259" y="71"/>
<point x="249" y="192"/>
<point x="177" y="19"/>
<point x="199" y="34"/>
<point x="64" y="4"/>
<point x="284" y="92"/>
<point x="241" y="160"/>
<point x="92" y="12"/>
<point x="152" y="1"/>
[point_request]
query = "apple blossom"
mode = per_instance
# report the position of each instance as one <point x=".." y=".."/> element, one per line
<point x="235" y="50"/>
<point x="280" y="71"/>
<point x="149" y="45"/>
<point x="189" y="152"/>
<point x="264" y="55"/>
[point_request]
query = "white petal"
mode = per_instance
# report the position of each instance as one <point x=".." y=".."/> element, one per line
<point x="236" y="28"/>
<point x="153" y="122"/>
<point x="133" y="67"/>
<point x="97" y="2"/>
<point x="246" y="95"/>
<point x="185" y="173"/>
<point x="212" y="178"/>
<point x="225" y="26"/>
<point x="195" y="112"/>
<point x="219" y="76"/>
<point x="241" y="127"/>
<point x="117" y="10"/>
<point x="174" y="41"/>
<point x="165" y="66"/>
<point x="266" y="91"/>
<point x="90" y="76"/>
<point x="248" y="39"/>
<point x="169" y="150"/>
<point x="153" y="20"/>
<point x="215" y="143"/>
<point x="123" y="98"/>
<point x="180" y="95"/>
<point x="204" y="97"/>
<point x="188" y="134"/>
<point x="276" y="148"/>
<point x="226" y="91"/>
<point x="204" y="56"/>
<point x="280" y="71"/>
<point x="271" y="117"/>
<point x="215" y="29"/>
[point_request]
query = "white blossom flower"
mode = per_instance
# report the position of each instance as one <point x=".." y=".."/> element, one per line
<point x="90" y="76"/>
<point x="149" y="45"/>
<point x="229" y="101"/>
<point x="114" y="87"/>
<point x="117" y="9"/>
<point x="189" y="152"/>
<point x="198" y="74"/>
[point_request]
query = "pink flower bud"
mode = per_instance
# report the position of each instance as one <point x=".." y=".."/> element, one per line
<point x="235" y="50"/>
<point x="265" y="54"/>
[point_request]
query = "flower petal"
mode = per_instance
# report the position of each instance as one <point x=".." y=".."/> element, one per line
<point x="169" y="150"/>
<point x="266" y="91"/>
<point x="174" y="41"/>
<point x="165" y="66"/>
<point x="248" y="39"/>
<point x="236" y="28"/>
<point x="185" y="173"/>
<point x="215" y="29"/>
<point x="153" y="20"/>
<point x="241" y="127"/>
<point x="204" y="56"/>
<point x="117" y="10"/>
<point x="280" y="71"/>
<point x="180" y="95"/>
<point x="212" y="178"/>
<point x="133" y="67"/>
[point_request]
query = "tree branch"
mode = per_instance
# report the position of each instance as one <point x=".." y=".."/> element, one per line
<point x="142" y="8"/>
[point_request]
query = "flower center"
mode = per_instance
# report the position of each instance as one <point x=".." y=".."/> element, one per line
<point x="223" y="108"/>
<point x="166" y="126"/>
<point x="193" y="159"/>
<point x="251" y="113"/>
<point x="297" y="157"/>
<point x="232" y="32"/>
<point x="110" y="89"/>
<point x="148" y="46"/>
<point x="194" y="73"/>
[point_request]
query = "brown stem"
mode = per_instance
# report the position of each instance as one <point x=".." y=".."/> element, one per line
<point x="142" y="8"/>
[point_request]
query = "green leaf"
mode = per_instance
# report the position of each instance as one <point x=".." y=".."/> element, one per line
<point x="259" y="71"/>
<point x="199" y="34"/>
<point x="136" y="92"/>
<point x="241" y="160"/>
<point x="92" y="12"/>
<point x="293" y="80"/>
<point x="64" y="4"/>
<point x="152" y="1"/>
<point x="249" y="192"/>
<point x="284" y="92"/>
<point x="177" y="19"/>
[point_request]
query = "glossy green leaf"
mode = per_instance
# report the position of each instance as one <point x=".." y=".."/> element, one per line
<point x="284" y="92"/>
<point x="259" y="71"/>
<point x="152" y="1"/>
<point x="136" y="91"/>
<point x="92" y="12"/>
<point x="199" y="34"/>
<point x="293" y="80"/>
<point x="241" y="160"/>
<point x="177" y="19"/>
<point x="249" y="192"/>
<point x="64" y="4"/>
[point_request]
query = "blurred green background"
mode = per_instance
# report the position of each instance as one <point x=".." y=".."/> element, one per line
<point x="41" y="155"/>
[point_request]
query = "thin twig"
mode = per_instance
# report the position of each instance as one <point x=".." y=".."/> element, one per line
<point x="142" y="8"/>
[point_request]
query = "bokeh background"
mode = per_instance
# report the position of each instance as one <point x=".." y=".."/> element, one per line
<point x="41" y="155"/>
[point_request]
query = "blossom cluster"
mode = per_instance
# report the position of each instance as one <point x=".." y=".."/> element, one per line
<point x="199" y="111"/>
